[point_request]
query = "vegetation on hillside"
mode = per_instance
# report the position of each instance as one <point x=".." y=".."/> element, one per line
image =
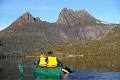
<point x="102" y="54"/>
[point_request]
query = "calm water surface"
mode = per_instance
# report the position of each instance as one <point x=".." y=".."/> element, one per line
<point x="89" y="75"/>
<point x="10" y="72"/>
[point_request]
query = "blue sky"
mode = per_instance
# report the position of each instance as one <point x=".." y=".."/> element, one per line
<point x="48" y="10"/>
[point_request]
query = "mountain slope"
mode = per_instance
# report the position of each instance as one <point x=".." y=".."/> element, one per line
<point x="18" y="24"/>
<point x="30" y="38"/>
<point x="82" y="17"/>
<point x="79" y="25"/>
<point x="27" y="33"/>
<point x="102" y="54"/>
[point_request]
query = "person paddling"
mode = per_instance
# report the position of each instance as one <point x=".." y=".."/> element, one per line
<point x="42" y="62"/>
<point x="53" y="62"/>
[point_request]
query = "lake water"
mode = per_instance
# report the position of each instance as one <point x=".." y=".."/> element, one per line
<point x="91" y="75"/>
<point x="10" y="72"/>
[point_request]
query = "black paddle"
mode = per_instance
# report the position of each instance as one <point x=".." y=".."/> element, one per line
<point x="64" y="67"/>
<point x="68" y="69"/>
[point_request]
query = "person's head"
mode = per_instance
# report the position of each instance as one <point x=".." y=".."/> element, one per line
<point x="50" y="53"/>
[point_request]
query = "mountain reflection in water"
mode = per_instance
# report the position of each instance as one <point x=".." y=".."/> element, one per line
<point x="10" y="72"/>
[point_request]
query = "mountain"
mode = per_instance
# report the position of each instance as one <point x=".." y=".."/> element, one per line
<point x="26" y="18"/>
<point x="82" y="17"/>
<point x="89" y="55"/>
<point x="27" y="33"/>
<point x="79" y="24"/>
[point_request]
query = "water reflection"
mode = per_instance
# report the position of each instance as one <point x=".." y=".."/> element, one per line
<point x="91" y="75"/>
<point x="10" y="72"/>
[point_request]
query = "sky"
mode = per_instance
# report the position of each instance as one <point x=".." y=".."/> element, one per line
<point x="48" y="10"/>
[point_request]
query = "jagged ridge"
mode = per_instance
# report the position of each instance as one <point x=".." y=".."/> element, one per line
<point x="26" y="18"/>
<point x="70" y="17"/>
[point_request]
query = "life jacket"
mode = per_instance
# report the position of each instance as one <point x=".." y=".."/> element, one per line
<point x="42" y="61"/>
<point x="52" y="62"/>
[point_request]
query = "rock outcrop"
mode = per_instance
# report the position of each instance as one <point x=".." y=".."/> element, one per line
<point x="26" y="18"/>
<point x="70" y="17"/>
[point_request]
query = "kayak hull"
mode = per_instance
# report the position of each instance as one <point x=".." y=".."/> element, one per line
<point x="47" y="73"/>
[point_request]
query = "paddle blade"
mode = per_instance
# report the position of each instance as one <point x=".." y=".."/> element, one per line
<point x="68" y="69"/>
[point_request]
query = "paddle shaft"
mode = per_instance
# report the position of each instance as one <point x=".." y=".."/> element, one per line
<point x="64" y="67"/>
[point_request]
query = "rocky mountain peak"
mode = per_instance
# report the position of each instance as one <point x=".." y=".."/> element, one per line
<point x="27" y="13"/>
<point x="26" y="18"/>
<point x="71" y="17"/>
<point x="66" y="16"/>
<point x="82" y="12"/>
<point x="67" y="10"/>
